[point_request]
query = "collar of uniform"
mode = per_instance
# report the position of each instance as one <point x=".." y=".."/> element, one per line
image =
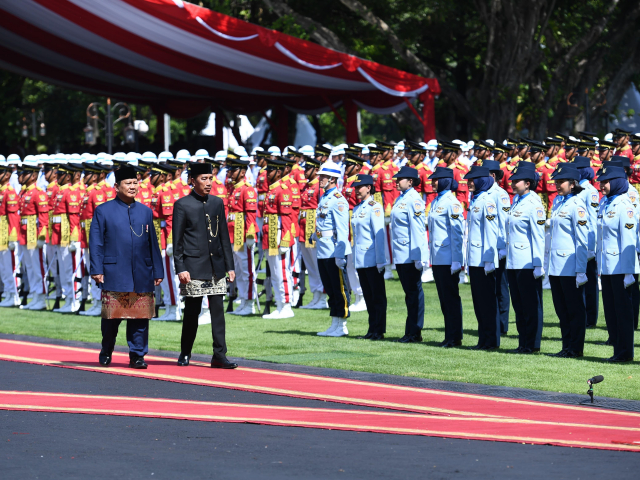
<point x="405" y="192"/>
<point x="540" y="164"/>
<point x="158" y="188"/>
<point x="64" y="187"/>
<point x="274" y="185"/>
<point x="327" y="192"/>
<point x="120" y="202"/>
<point x="314" y="181"/>
<point x="239" y="184"/>
<point x="53" y="183"/>
<point x="199" y="197"/>
<point x="30" y="187"/>
<point x="352" y="178"/>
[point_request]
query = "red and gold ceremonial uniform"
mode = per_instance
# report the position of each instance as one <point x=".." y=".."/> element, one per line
<point x="33" y="204"/>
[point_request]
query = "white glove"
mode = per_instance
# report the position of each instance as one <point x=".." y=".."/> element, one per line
<point x="455" y="267"/>
<point x="40" y="244"/>
<point x="341" y="262"/>
<point x="581" y="279"/>
<point x="538" y="272"/>
<point x="313" y="237"/>
<point x="628" y="280"/>
<point x="502" y="253"/>
<point x="387" y="220"/>
<point x="419" y="264"/>
<point x="283" y="250"/>
<point x="489" y="267"/>
<point x="591" y="255"/>
<point x="381" y="267"/>
<point x="13" y="245"/>
<point x="251" y="242"/>
<point x="169" y="250"/>
<point x="72" y="247"/>
<point x="547" y="223"/>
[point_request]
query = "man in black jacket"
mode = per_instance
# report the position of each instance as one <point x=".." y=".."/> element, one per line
<point x="203" y="256"/>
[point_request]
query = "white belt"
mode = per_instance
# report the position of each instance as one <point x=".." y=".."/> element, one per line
<point x="232" y="217"/>
<point x="82" y="224"/>
<point x="56" y="219"/>
<point x="261" y="197"/>
<point x="24" y="221"/>
<point x="325" y="233"/>
<point x="303" y="214"/>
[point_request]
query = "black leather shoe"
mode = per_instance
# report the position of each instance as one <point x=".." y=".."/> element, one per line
<point x="516" y="350"/>
<point x="224" y="363"/>
<point x="377" y="336"/>
<point x="138" y="363"/>
<point x="104" y="359"/>
<point x="453" y="343"/>
<point x="366" y="337"/>
<point x="572" y="354"/>
<point x="183" y="360"/>
<point x="489" y="348"/>
<point x="411" y="339"/>
<point x="590" y="327"/>
<point x="526" y="351"/>
<point x="475" y="347"/>
<point x="620" y="359"/>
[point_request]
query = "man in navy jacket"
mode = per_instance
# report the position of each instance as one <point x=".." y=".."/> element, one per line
<point x="126" y="264"/>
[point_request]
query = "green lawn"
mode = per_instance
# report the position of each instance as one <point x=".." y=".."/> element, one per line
<point x="295" y="341"/>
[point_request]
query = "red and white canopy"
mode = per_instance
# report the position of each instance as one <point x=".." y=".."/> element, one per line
<point x="181" y="58"/>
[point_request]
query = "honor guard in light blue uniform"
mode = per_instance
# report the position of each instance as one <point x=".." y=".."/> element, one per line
<point x="568" y="261"/>
<point x="482" y="256"/>
<point x="591" y="199"/>
<point x="502" y="200"/>
<point x="617" y="260"/>
<point x="367" y="224"/>
<point x="445" y="228"/>
<point x="332" y="236"/>
<point x="525" y="257"/>
<point x="409" y="247"/>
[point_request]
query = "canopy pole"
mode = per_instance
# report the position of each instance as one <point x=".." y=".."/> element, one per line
<point x="283" y="126"/>
<point x="218" y="140"/>
<point x="428" y="115"/>
<point x="352" y="131"/>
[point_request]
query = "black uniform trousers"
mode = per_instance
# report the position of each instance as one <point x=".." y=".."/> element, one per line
<point x="411" y="281"/>
<point x="592" y="293"/>
<point x="636" y="303"/>
<point x="375" y="296"/>
<point x="137" y="336"/>
<point x="526" y="298"/>
<point x="569" y="304"/>
<point x="450" y="302"/>
<point x="502" y="295"/>
<point x="192" y="308"/>
<point x="618" y="313"/>
<point x="483" y="288"/>
<point x="334" y="285"/>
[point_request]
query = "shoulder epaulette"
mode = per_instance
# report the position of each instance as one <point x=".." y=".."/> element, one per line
<point x="372" y="202"/>
<point x="337" y="195"/>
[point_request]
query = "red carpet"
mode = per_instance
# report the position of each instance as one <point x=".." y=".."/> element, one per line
<point x="322" y="388"/>
<point x="496" y="429"/>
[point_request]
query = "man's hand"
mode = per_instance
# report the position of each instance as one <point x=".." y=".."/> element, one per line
<point x="232" y="275"/>
<point x="157" y="281"/>
<point x="98" y="278"/>
<point x="184" y="277"/>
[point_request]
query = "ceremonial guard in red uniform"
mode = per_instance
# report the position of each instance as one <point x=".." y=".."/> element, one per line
<point x="34" y="225"/>
<point x="9" y="227"/>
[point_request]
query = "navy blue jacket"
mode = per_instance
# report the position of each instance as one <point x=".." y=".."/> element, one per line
<point x="124" y="248"/>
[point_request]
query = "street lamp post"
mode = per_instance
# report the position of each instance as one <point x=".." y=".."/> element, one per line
<point x="124" y="112"/>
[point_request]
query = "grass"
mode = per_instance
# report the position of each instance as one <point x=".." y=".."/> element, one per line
<point x="295" y="341"/>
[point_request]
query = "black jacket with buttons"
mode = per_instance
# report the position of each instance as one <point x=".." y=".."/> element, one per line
<point x="201" y="244"/>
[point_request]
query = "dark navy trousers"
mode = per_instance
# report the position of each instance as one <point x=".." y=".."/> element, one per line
<point x="375" y="296"/>
<point x="619" y="313"/>
<point x="526" y="298"/>
<point x="502" y="295"/>
<point x="411" y="281"/>
<point x="483" y="287"/>
<point x="569" y="304"/>
<point x="591" y="293"/>
<point x="450" y="302"/>
<point x="137" y="336"/>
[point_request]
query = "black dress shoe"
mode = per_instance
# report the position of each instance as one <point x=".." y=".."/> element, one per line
<point x="516" y="350"/>
<point x="367" y="336"/>
<point x="411" y="339"/>
<point x="377" y="336"/>
<point x="222" y="363"/>
<point x="475" y="347"/>
<point x="444" y="343"/>
<point x="489" y="348"/>
<point x="453" y="343"/>
<point x="104" y="359"/>
<point x="183" y="360"/>
<point x="572" y="354"/>
<point x="138" y="363"/>
<point x="590" y="327"/>
<point x="526" y="351"/>
<point x="616" y="359"/>
<point x="560" y="354"/>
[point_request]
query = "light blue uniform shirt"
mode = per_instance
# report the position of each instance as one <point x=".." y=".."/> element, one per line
<point x="591" y="199"/>
<point x="408" y="229"/>
<point x="525" y="233"/>
<point x="332" y="225"/>
<point x="502" y="200"/>
<point x="482" y="244"/>
<point x="369" y="244"/>
<point x="569" y="237"/>
<point x="632" y="194"/>
<point x="445" y="224"/>
<point x="617" y="236"/>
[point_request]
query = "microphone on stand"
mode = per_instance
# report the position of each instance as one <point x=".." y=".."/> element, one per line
<point x="591" y="382"/>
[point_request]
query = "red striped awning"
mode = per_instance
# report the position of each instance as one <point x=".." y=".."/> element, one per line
<point x="181" y="58"/>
